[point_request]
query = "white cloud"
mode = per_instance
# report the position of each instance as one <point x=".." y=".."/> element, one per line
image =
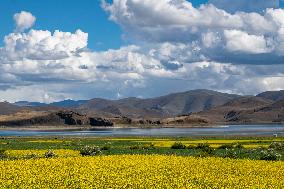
<point x="40" y="45"/>
<point x="239" y="41"/>
<point x="24" y="20"/>
<point x="210" y="39"/>
<point x="152" y="17"/>
<point x="131" y="70"/>
<point x="193" y="48"/>
<point x="206" y="26"/>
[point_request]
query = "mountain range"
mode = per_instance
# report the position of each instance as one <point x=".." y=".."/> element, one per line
<point x="164" y="106"/>
<point x="196" y="106"/>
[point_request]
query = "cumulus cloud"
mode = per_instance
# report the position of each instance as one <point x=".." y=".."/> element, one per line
<point x="40" y="45"/>
<point x="24" y="20"/>
<point x="205" y="47"/>
<point x="207" y="27"/>
<point x="131" y="70"/>
<point x="242" y="42"/>
<point x="152" y="18"/>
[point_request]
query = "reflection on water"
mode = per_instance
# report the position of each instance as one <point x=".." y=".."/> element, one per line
<point x="228" y="130"/>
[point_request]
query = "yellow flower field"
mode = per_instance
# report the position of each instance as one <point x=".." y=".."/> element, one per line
<point x="213" y="144"/>
<point x="140" y="171"/>
<point x="166" y="142"/>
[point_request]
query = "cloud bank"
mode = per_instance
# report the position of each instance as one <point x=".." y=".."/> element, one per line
<point x="211" y="29"/>
<point x="183" y="48"/>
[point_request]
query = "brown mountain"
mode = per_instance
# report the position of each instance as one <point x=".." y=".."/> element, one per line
<point x="164" y="106"/>
<point x="272" y="95"/>
<point x="191" y="107"/>
<point x="49" y="118"/>
<point x="246" y="110"/>
<point x="6" y="108"/>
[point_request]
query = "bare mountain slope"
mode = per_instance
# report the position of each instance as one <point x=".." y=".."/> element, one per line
<point x="272" y="95"/>
<point x="7" y="108"/>
<point x="164" y="106"/>
<point x="246" y="110"/>
<point x="191" y="107"/>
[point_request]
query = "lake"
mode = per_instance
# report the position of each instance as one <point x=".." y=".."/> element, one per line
<point x="226" y="130"/>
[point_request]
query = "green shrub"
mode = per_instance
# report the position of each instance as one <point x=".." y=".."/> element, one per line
<point x="205" y="148"/>
<point x="178" y="145"/>
<point x="191" y="146"/>
<point x="50" y="154"/>
<point x="230" y="153"/>
<point x="269" y="155"/>
<point x="208" y="150"/>
<point x="135" y="147"/>
<point x="148" y="146"/>
<point x="239" y="146"/>
<point x="226" y="146"/>
<point x="202" y="146"/>
<point x="276" y="146"/>
<point x="90" y="151"/>
<point x="105" y="148"/>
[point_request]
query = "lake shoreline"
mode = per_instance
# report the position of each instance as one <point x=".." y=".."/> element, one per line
<point x="229" y="130"/>
<point x="63" y="128"/>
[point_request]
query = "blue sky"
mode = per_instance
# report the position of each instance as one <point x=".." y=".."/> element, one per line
<point x="68" y="15"/>
<point x="139" y="48"/>
<point x="65" y="15"/>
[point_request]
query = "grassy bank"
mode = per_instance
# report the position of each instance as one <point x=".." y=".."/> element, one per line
<point x="238" y="148"/>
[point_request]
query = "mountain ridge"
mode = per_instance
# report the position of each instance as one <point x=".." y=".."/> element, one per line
<point x="163" y="106"/>
<point x="189" y="107"/>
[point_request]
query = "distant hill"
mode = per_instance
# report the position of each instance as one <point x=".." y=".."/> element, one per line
<point x="272" y="95"/>
<point x="7" y="108"/>
<point x="68" y="103"/>
<point x="196" y="106"/>
<point x="248" y="102"/>
<point x="49" y="118"/>
<point x="65" y="103"/>
<point x="246" y="110"/>
<point x="164" y="106"/>
<point x="29" y="104"/>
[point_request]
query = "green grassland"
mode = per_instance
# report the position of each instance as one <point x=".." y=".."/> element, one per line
<point x="233" y="147"/>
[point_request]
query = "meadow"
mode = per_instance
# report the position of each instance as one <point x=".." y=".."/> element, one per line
<point x="141" y="162"/>
<point x="239" y="148"/>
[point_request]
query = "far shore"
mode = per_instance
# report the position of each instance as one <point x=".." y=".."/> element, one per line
<point x="43" y="128"/>
<point x="117" y="126"/>
<point x="86" y="128"/>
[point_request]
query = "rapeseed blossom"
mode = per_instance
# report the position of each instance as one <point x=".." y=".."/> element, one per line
<point x="140" y="171"/>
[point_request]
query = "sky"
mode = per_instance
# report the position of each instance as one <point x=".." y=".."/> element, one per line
<point x="69" y="49"/>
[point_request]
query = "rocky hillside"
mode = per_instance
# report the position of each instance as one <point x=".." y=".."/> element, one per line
<point x="272" y="95"/>
<point x="246" y="110"/>
<point x="27" y="118"/>
<point x="191" y="107"/>
<point x="7" y="108"/>
<point x="164" y="106"/>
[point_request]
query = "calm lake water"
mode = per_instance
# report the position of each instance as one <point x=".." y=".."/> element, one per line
<point x="228" y="130"/>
